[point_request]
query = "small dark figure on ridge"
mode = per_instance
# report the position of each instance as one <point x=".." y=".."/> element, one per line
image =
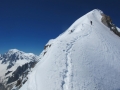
<point x="91" y="22"/>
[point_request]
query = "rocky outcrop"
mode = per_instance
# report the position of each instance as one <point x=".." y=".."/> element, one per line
<point x="8" y="73"/>
<point x="12" y="57"/>
<point x="47" y="46"/>
<point x="107" y="21"/>
<point x="17" y="64"/>
<point x="20" y="71"/>
<point x="23" y="72"/>
<point x="2" y="87"/>
<point x="15" y="80"/>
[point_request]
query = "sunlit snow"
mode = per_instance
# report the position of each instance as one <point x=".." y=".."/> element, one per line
<point x="84" y="57"/>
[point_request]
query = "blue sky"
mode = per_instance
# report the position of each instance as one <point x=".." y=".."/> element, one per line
<point x="27" y="25"/>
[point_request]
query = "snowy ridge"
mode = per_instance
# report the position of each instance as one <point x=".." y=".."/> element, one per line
<point x="20" y="53"/>
<point x="84" y="57"/>
<point x="67" y="82"/>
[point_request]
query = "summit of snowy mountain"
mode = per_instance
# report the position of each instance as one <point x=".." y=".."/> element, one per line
<point x="16" y="51"/>
<point x="85" y="57"/>
<point x="13" y="64"/>
<point x="14" y="55"/>
<point x="13" y="50"/>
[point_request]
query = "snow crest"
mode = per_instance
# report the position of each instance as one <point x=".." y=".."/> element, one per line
<point x="84" y="57"/>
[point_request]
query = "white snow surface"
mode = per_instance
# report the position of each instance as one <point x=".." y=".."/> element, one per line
<point x="118" y="29"/>
<point x="88" y="58"/>
<point x="20" y="53"/>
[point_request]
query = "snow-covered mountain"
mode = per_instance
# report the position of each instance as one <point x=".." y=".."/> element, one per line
<point x="13" y="64"/>
<point x="85" y="57"/>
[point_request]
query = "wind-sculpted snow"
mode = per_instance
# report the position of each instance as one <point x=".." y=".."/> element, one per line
<point x="84" y="57"/>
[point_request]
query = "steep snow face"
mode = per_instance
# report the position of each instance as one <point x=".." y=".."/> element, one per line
<point x="84" y="57"/>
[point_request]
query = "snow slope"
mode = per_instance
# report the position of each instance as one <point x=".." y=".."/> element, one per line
<point x="84" y="57"/>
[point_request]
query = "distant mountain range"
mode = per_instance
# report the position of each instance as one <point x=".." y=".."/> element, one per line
<point x="13" y="64"/>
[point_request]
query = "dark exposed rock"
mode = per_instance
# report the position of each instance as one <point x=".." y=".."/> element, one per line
<point x="6" y="58"/>
<point x="2" y="87"/>
<point x="106" y="20"/>
<point x="44" y="53"/>
<point x="24" y="74"/>
<point x="33" y="64"/>
<point x="24" y="81"/>
<point x="8" y="73"/>
<point x="47" y="46"/>
<point x="18" y="82"/>
<point x="10" y="65"/>
<point x="20" y="71"/>
<point x="10" y="58"/>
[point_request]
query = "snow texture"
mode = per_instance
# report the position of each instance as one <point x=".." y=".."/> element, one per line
<point x="84" y="57"/>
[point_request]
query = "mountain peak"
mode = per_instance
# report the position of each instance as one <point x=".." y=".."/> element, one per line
<point x="14" y="55"/>
<point x="13" y="50"/>
<point x="85" y="56"/>
<point x="14" y="64"/>
<point x="97" y="10"/>
<point x="93" y="16"/>
<point x="94" y="11"/>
